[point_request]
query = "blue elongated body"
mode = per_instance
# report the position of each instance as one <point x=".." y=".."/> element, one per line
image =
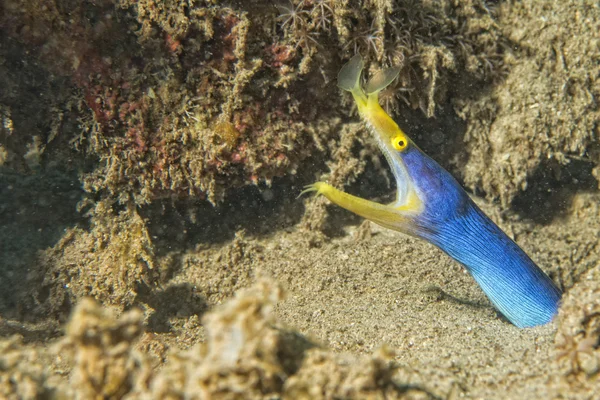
<point x="430" y="204"/>
<point x="450" y="220"/>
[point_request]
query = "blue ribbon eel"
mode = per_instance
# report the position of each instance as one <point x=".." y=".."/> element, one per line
<point x="430" y="204"/>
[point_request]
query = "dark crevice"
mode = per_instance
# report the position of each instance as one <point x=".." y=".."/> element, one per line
<point x="551" y="189"/>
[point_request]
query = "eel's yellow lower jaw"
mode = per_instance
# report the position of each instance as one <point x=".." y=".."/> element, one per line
<point x="390" y="216"/>
<point x="317" y="187"/>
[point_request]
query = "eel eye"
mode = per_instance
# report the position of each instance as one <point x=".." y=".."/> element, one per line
<point x="399" y="143"/>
